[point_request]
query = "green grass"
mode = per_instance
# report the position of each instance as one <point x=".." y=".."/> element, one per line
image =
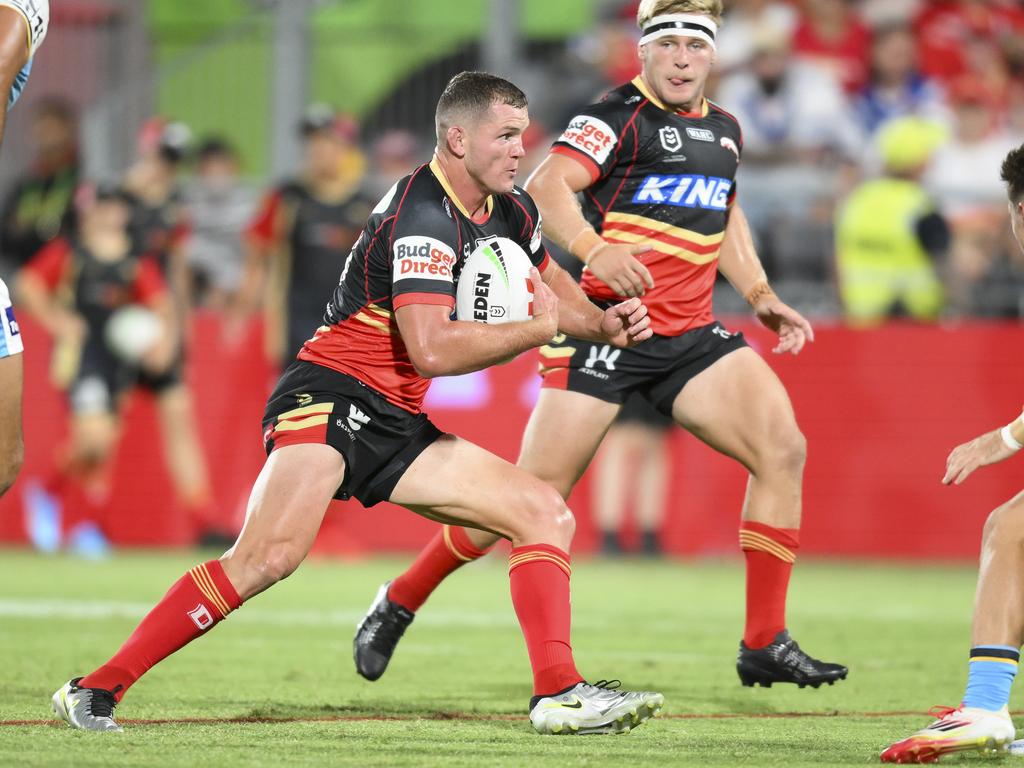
<point x="457" y="690"/>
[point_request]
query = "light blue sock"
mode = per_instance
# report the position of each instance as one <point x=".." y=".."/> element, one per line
<point x="992" y="669"/>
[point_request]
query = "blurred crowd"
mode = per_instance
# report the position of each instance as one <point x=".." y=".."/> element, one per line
<point x="873" y="135"/>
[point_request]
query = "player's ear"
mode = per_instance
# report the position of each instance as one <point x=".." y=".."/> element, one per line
<point x="455" y="137"/>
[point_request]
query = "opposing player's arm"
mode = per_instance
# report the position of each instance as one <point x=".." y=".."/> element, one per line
<point x="738" y="261"/>
<point x="440" y="346"/>
<point x="553" y="185"/>
<point x="151" y="290"/>
<point x="621" y="325"/>
<point x="36" y="282"/>
<point x="990" y="448"/>
<point x="14" y="54"/>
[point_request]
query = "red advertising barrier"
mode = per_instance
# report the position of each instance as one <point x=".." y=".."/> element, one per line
<point x="880" y="408"/>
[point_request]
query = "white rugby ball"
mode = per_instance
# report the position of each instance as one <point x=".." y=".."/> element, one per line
<point x="131" y="331"/>
<point x="494" y="286"/>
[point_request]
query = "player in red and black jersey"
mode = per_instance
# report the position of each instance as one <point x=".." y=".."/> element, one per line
<point x="73" y="287"/>
<point x="303" y="230"/>
<point x="655" y="165"/>
<point x="345" y="417"/>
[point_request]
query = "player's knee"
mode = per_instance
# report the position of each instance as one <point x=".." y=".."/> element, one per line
<point x="265" y="565"/>
<point x="1005" y="525"/>
<point x="545" y="514"/>
<point x="788" y="452"/>
<point x="10" y="465"/>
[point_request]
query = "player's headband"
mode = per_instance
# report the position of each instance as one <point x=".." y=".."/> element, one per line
<point x="685" y="24"/>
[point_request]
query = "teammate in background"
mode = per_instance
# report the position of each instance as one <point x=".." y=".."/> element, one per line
<point x="161" y="229"/>
<point x="982" y="721"/>
<point x="632" y="464"/>
<point x="72" y="288"/>
<point x="23" y="25"/>
<point x="345" y="419"/>
<point x="656" y="163"/>
<point x="303" y="230"/>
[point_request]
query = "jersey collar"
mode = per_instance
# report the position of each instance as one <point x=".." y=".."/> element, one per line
<point x="435" y="168"/>
<point x="641" y="86"/>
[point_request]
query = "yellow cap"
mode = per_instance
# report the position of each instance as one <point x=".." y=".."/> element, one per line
<point x="909" y="142"/>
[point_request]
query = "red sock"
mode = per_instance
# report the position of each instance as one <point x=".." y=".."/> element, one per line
<point x="539" y="576"/>
<point x="449" y="550"/>
<point x="201" y="598"/>
<point x="770" y="553"/>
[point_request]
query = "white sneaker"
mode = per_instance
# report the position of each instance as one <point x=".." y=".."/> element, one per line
<point x="598" y="708"/>
<point x="962" y="729"/>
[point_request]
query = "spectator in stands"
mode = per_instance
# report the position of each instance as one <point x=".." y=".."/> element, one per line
<point x="303" y="232"/>
<point x="74" y="289"/>
<point x="39" y="205"/>
<point x="890" y="235"/>
<point x="218" y="206"/>
<point x="831" y="36"/>
<point x="964" y="178"/>
<point x="631" y="470"/>
<point x="393" y="154"/>
<point x="746" y="22"/>
<point x="946" y="27"/>
<point x="895" y="86"/>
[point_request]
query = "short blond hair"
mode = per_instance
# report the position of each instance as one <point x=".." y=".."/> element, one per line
<point x="650" y="8"/>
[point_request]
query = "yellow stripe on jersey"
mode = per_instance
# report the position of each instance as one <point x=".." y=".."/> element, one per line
<point x="291" y="426"/>
<point x="379" y="311"/>
<point x="662" y="227"/>
<point x="548" y="351"/>
<point x="373" y="322"/>
<point x="614" y="236"/>
<point x="307" y="410"/>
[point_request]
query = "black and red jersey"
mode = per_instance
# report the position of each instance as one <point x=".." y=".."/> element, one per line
<point x="410" y="252"/>
<point x="310" y="239"/>
<point x="664" y="179"/>
<point x="92" y="287"/>
<point x="159" y="229"/>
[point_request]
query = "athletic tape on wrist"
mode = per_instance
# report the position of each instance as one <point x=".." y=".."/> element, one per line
<point x="1009" y="440"/>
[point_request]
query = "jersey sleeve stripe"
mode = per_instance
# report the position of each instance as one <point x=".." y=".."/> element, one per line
<point x="581" y="157"/>
<point x="406" y="299"/>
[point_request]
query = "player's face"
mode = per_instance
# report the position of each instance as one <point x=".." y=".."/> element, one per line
<point x="494" y="147"/>
<point x="676" y="69"/>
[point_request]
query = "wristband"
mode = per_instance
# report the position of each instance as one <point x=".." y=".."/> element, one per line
<point x="1009" y="440"/>
<point x="759" y="290"/>
<point x="585" y="244"/>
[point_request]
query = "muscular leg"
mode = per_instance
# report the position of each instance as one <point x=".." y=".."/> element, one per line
<point x="12" y="447"/>
<point x="999" y="603"/>
<point x="286" y="507"/>
<point x="545" y="455"/>
<point x="739" y="407"/>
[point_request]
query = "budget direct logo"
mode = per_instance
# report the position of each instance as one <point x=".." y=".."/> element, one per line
<point x="685" y="191"/>
<point x="422" y="258"/>
<point x="591" y="136"/>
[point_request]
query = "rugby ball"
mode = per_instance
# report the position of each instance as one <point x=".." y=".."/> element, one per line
<point x="494" y="285"/>
<point x="131" y="331"/>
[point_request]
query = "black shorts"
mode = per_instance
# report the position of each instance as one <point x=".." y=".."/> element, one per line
<point x="657" y="369"/>
<point x="315" y="404"/>
<point x="636" y="410"/>
<point x="100" y="380"/>
<point x="172" y="376"/>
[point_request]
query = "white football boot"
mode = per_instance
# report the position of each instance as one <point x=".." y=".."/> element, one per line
<point x="91" y="709"/>
<point x="598" y="708"/>
<point x="963" y="729"/>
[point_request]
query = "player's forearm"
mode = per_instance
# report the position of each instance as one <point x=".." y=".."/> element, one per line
<point x="737" y="259"/>
<point x="35" y="300"/>
<point x="577" y="315"/>
<point x="1013" y="433"/>
<point x="563" y="220"/>
<point x="464" y="347"/>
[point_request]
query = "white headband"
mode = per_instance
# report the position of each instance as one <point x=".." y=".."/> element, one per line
<point x="685" y="24"/>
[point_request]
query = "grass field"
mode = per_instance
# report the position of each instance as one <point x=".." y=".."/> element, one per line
<point x="275" y="684"/>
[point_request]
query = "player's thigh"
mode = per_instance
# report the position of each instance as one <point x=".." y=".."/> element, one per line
<point x="286" y="506"/>
<point x="11" y="386"/>
<point x="455" y="481"/>
<point x="739" y="407"/>
<point x="562" y="435"/>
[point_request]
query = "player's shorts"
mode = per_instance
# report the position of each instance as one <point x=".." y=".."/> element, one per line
<point x="10" y="333"/>
<point x="171" y="376"/>
<point x="657" y="368"/>
<point x="380" y="441"/>
<point x="100" y="380"/>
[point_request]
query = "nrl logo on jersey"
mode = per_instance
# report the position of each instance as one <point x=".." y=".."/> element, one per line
<point x="670" y="138"/>
<point x="700" y="134"/>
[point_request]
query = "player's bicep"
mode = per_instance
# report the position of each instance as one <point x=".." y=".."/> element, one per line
<point x="421" y="325"/>
<point x="572" y="171"/>
<point x="592" y="140"/>
<point x="14" y="49"/>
